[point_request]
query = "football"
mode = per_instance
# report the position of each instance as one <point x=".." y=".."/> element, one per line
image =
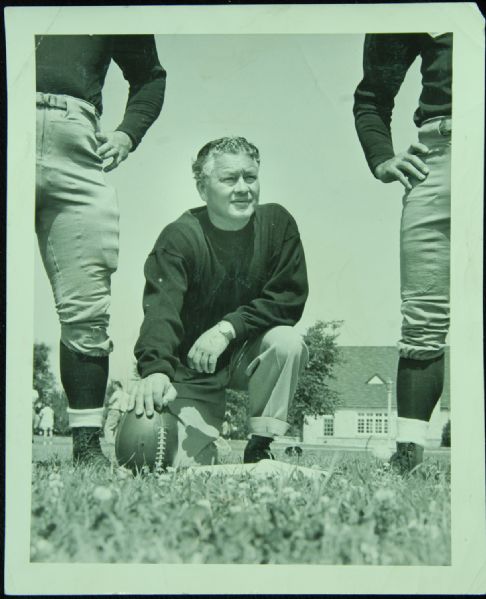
<point x="146" y="442"/>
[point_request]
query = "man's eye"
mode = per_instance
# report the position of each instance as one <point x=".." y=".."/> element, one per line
<point x="229" y="180"/>
<point x="250" y="179"/>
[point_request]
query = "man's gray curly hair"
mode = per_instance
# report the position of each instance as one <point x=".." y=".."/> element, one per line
<point x="224" y="145"/>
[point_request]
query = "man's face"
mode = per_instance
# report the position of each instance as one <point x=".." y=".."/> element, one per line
<point x="231" y="190"/>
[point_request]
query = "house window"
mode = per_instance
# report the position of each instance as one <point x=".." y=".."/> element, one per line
<point x="369" y="424"/>
<point x="328" y="426"/>
<point x="372" y="423"/>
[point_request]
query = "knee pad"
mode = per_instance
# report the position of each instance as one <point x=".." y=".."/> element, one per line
<point x="88" y="339"/>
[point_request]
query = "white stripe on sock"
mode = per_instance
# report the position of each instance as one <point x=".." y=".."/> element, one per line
<point x="91" y="417"/>
<point x="411" y="430"/>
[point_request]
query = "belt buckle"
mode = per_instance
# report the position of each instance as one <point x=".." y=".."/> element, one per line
<point x="443" y="129"/>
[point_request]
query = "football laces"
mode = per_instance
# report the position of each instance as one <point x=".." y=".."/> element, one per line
<point x="160" y="453"/>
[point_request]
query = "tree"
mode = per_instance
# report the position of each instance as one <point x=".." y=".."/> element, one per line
<point x="49" y="391"/>
<point x="446" y="434"/>
<point x="237" y="413"/>
<point x="44" y="381"/>
<point x="314" y="397"/>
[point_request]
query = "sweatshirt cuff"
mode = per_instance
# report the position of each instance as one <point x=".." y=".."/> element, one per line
<point x="236" y="320"/>
<point x="154" y="367"/>
<point x="131" y="135"/>
<point x="375" y="161"/>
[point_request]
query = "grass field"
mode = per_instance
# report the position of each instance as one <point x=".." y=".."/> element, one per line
<point x="361" y="513"/>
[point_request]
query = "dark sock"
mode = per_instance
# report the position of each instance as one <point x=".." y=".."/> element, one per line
<point x="260" y="442"/>
<point x="419" y="387"/>
<point x="84" y="378"/>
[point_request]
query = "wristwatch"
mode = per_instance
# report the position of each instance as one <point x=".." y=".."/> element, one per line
<point x="226" y="328"/>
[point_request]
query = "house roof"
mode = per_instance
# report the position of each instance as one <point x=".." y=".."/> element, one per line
<point x="361" y="364"/>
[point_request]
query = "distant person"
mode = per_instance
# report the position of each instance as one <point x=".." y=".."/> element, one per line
<point x="116" y="406"/>
<point x="225" y="285"/>
<point x="36" y="408"/>
<point x="46" y="423"/>
<point x="294" y="451"/>
<point x="424" y="170"/>
<point x="76" y="211"/>
<point x="226" y="429"/>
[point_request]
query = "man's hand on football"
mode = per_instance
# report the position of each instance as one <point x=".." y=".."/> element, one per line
<point x="404" y="165"/>
<point x="151" y="393"/>
<point x="116" y="145"/>
<point x="203" y="355"/>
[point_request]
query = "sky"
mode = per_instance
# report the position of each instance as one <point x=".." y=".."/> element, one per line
<point x="292" y="96"/>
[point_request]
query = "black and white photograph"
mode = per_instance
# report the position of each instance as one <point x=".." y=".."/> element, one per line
<point x="247" y="331"/>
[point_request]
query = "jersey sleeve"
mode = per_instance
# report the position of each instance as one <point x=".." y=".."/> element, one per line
<point x="386" y="60"/>
<point x="136" y="55"/>
<point x="167" y="273"/>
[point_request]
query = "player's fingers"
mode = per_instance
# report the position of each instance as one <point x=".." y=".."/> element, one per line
<point x="139" y="405"/>
<point x="170" y="394"/>
<point x="197" y="361"/>
<point x="158" y="390"/>
<point x="112" y="165"/>
<point x="418" y="148"/>
<point x="399" y="176"/>
<point x="192" y="351"/>
<point x="190" y="360"/>
<point x="204" y="362"/>
<point x="104" y="148"/>
<point x="190" y="356"/>
<point x="212" y="360"/>
<point x="419" y="164"/>
<point x="131" y="398"/>
<point x="101" y="136"/>
<point x="148" y="400"/>
<point x="109" y="152"/>
<point x="117" y="161"/>
<point x="410" y="169"/>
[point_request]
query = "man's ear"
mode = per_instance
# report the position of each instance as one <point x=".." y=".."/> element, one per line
<point x="201" y="188"/>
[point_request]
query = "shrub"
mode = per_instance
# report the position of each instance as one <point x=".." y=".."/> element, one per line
<point x="446" y="434"/>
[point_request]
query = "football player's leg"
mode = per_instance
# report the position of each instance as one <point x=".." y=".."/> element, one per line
<point x="77" y="229"/>
<point x="269" y="367"/>
<point x="425" y="263"/>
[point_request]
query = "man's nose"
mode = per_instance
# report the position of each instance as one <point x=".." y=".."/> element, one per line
<point x="241" y="186"/>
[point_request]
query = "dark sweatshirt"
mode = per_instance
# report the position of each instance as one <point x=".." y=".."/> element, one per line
<point x="186" y="290"/>
<point x="76" y="65"/>
<point x="386" y="60"/>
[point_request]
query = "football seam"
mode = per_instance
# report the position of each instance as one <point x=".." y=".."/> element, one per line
<point x="160" y="452"/>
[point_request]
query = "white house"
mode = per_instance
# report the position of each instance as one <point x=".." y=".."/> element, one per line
<point x="365" y="380"/>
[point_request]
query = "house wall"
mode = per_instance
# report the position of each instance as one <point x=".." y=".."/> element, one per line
<point x="345" y="430"/>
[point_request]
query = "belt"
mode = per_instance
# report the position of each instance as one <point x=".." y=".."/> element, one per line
<point x="51" y="100"/>
<point x="61" y="101"/>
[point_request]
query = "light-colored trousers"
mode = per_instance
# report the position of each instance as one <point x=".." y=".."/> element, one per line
<point x="267" y="366"/>
<point x="76" y="220"/>
<point x="425" y="249"/>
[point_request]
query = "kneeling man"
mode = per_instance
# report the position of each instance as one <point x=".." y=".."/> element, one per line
<point x="225" y="283"/>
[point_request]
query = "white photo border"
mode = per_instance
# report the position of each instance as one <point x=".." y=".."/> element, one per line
<point x="467" y="574"/>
